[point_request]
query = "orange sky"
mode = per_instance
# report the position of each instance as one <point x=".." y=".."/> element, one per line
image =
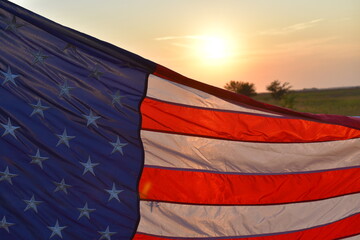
<point x="307" y="43"/>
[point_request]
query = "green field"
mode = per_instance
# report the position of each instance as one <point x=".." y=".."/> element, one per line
<point x="341" y="101"/>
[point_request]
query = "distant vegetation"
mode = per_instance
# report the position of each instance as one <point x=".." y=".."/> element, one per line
<point x="340" y="101"/>
<point x="244" y="88"/>
<point x="278" y="90"/>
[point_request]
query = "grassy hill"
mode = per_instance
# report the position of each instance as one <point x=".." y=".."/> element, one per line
<point x="341" y="101"/>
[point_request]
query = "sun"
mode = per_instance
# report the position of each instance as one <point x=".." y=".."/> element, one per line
<point x="214" y="49"/>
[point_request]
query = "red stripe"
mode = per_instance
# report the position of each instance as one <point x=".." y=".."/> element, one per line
<point x="343" y="228"/>
<point x="166" y="117"/>
<point x="228" y="189"/>
<point x="170" y="75"/>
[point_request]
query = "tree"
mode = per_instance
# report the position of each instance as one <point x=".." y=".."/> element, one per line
<point x="244" y="88"/>
<point x="279" y="90"/>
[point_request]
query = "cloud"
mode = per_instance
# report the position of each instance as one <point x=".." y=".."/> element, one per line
<point x="302" y="47"/>
<point x="188" y="41"/>
<point x="197" y="37"/>
<point x="291" y="28"/>
<point x="181" y="41"/>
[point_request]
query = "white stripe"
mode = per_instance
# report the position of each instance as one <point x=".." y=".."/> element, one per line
<point x="177" y="220"/>
<point x="357" y="237"/>
<point x="165" y="90"/>
<point x="188" y="152"/>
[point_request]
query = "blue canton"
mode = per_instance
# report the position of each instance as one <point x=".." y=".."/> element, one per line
<point x="70" y="152"/>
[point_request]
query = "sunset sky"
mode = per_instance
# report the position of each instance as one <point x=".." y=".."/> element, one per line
<point x="307" y="43"/>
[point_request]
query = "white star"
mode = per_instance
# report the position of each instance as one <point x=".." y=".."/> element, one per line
<point x="95" y="73"/>
<point x="116" y="98"/>
<point x="13" y="25"/>
<point x="64" y="138"/>
<point x="37" y="159"/>
<point x="6" y="175"/>
<point x="91" y="118"/>
<point x="65" y="89"/>
<point x="38" y="109"/>
<point x="4" y="224"/>
<point x="153" y="204"/>
<point x="89" y="166"/>
<point x="61" y="186"/>
<point x="113" y="193"/>
<point x="32" y="203"/>
<point x="9" y="129"/>
<point x="56" y="230"/>
<point x="85" y="211"/>
<point x="9" y="77"/>
<point x="39" y="57"/>
<point x="118" y="146"/>
<point x="106" y="234"/>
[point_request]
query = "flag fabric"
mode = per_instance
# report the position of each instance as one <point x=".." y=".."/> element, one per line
<point x="71" y="154"/>
<point x="99" y="143"/>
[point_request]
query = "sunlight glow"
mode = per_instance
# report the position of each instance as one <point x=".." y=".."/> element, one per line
<point x="214" y="49"/>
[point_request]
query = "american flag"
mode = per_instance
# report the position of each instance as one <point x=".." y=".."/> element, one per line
<point x="99" y="143"/>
